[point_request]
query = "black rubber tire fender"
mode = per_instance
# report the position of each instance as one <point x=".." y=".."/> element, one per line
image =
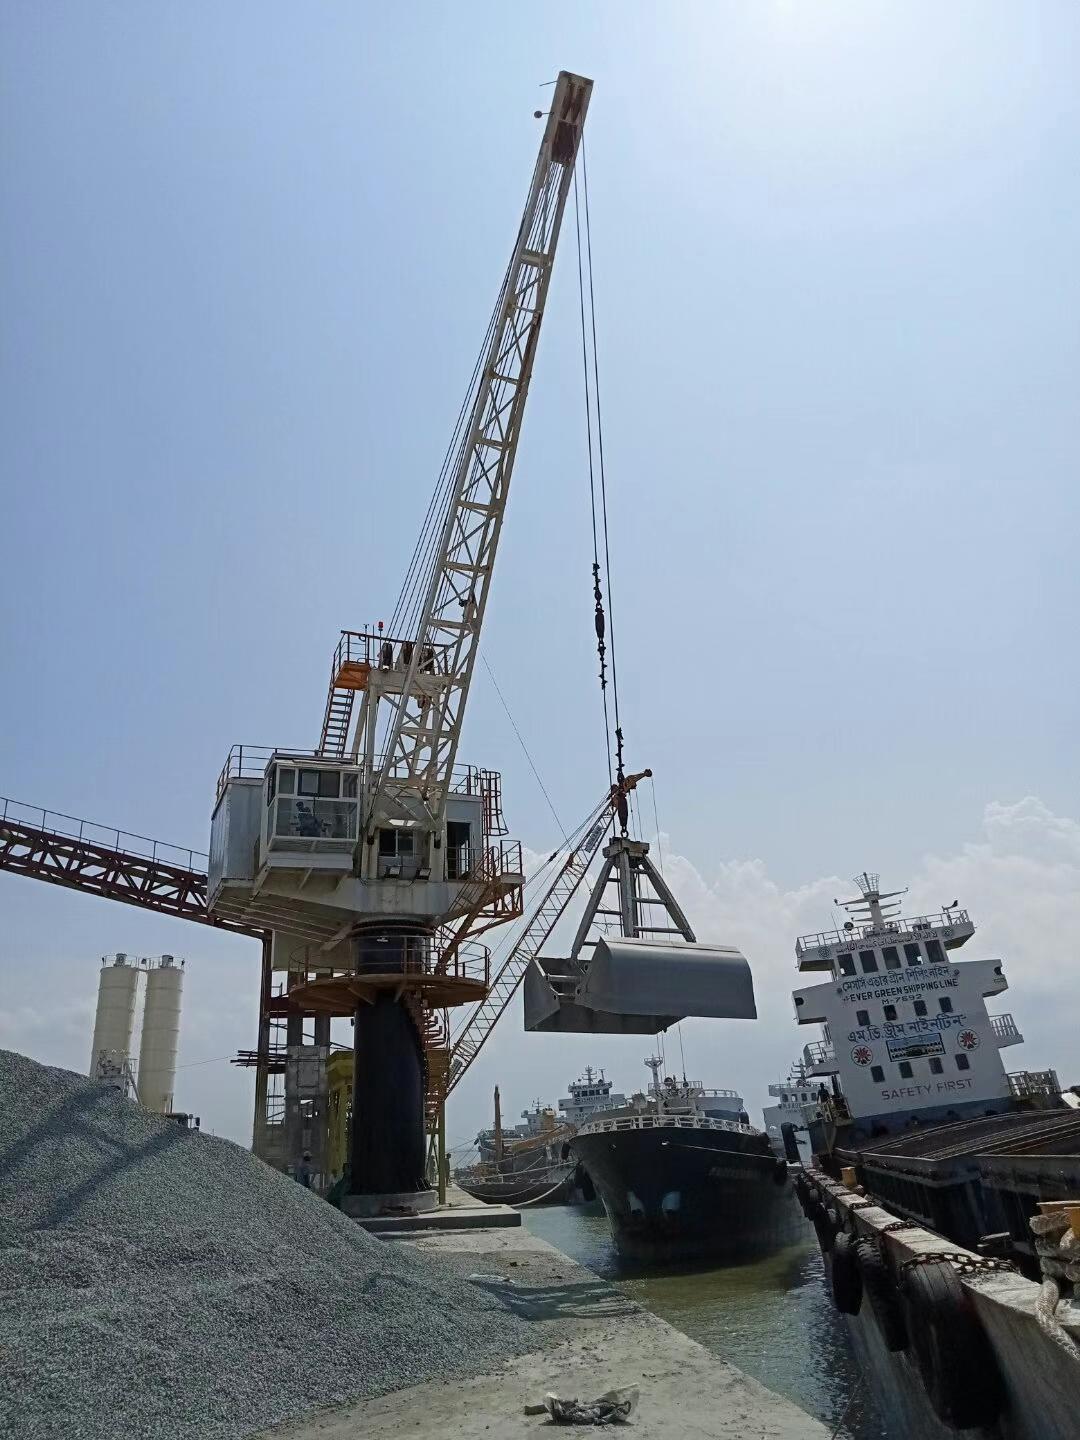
<point x="803" y="1192"/>
<point x="950" y="1349"/>
<point x="879" y="1287"/>
<point x="825" y="1226"/>
<point x="780" y="1173"/>
<point x="846" y="1276"/>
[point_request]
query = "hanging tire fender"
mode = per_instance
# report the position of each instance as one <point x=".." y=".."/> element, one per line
<point x="949" y="1346"/>
<point x="846" y="1276"/>
<point x="879" y="1287"/>
<point x="825" y="1226"/>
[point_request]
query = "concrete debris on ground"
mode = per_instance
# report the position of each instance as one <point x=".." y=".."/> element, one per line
<point x="155" y="1281"/>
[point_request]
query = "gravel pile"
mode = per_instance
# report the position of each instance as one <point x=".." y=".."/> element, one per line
<point x="158" y="1282"/>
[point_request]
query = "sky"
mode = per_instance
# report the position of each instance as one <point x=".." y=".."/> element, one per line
<point x="249" y="254"/>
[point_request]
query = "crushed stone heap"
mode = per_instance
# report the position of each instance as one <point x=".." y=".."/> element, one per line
<point x="155" y="1281"/>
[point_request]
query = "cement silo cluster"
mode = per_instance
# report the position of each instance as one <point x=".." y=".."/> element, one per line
<point x="111" y="1056"/>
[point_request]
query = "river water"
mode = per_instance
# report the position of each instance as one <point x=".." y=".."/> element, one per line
<point x="772" y="1318"/>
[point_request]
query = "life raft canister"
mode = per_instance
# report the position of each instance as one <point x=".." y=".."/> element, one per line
<point x="955" y="1362"/>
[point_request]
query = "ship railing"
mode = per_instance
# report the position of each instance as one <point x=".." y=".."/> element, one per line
<point x="920" y="925"/>
<point x="1031" y="1084"/>
<point x="1005" y="1027"/>
<point x="663" y="1122"/>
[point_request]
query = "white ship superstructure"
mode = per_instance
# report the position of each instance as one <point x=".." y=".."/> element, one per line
<point x="796" y="1104"/>
<point x="905" y="1027"/>
<point x="588" y="1094"/>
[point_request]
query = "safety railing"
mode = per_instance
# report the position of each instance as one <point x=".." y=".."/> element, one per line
<point x="249" y="762"/>
<point x="663" y="1122"/>
<point x="921" y="925"/>
<point x="415" y="955"/>
<point x="818" y="1052"/>
<point x="1030" y="1084"/>
<point x="382" y="652"/>
<point x="107" y="837"/>
<point x="1005" y="1028"/>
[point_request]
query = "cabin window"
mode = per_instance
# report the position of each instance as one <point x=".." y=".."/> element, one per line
<point x="348" y="786"/>
<point x="912" y="954"/>
<point x="804" y="1097"/>
<point x="863" y="1017"/>
<point x="877" y="1074"/>
<point x="271" y="786"/>
<point x="934" y="953"/>
<point x="946" y="1005"/>
<point x="393" y="842"/>
<point x="868" y="961"/>
<point x="847" y="964"/>
<point x="457" y="857"/>
<point x="286" y="780"/>
<point x="936" y="1066"/>
<point x="920" y="1007"/>
<point x="320" y="783"/>
<point x="905" y="1070"/>
<point x="891" y="956"/>
<point x="963" y="1063"/>
<point x="890" y="1012"/>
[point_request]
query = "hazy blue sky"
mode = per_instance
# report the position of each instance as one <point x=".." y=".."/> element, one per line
<point x="248" y="254"/>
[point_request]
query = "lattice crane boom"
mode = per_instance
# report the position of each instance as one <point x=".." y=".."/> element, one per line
<point x="412" y="776"/>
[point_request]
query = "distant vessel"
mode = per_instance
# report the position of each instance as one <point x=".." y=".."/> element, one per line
<point x="528" y="1165"/>
<point x="924" y="1137"/>
<point x="796" y="1106"/>
<point x="682" y="1174"/>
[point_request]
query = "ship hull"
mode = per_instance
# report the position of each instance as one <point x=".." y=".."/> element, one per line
<point x="685" y="1194"/>
<point x="550" y="1188"/>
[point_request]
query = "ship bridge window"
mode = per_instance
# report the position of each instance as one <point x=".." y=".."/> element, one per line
<point x="936" y="1066"/>
<point x="963" y="1063"/>
<point x="935" y="954"/>
<point x="920" y="1007"/>
<point x="877" y="1074"/>
<point x="946" y="1005"/>
<point x="863" y="1017"/>
<point x="868" y="961"/>
<point x="892" y="957"/>
<point x="847" y="964"/>
<point x="905" y="1070"/>
<point x="890" y="1012"/>
<point x="913" y="954"/>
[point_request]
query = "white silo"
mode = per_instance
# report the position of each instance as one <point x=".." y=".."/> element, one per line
<point x="160" y="1033"/>
<point x="115" y="1018"/>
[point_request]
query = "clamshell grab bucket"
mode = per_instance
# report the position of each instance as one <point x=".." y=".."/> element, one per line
<point x="640" y="986"/>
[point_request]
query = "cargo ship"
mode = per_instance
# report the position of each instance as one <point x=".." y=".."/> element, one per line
<point x="944" y="1190"/>
<point x="684" y="1176"/>
<point x="528" y="1165"/>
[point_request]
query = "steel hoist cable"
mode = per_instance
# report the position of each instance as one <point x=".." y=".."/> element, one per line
<point x="603" y="620"/>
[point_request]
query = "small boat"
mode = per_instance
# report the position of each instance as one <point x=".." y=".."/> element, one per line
<point x="530" y="1164"/>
